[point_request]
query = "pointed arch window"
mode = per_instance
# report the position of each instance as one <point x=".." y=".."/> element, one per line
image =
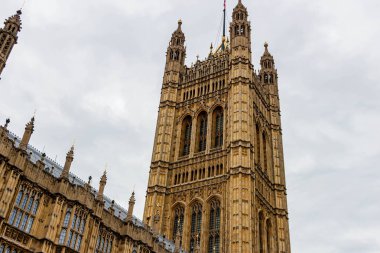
<point x="7" y="45"/>
<point x="105" y="241"/>
<point x="242" y="30"/>
<point x="186" y="135"/>
<point x="179" y="216"/>
<point x="196" y="223"/>
<point x="269" y="239"/>
<point x="25" y="209"/>
<point x="218" y="118"/>
<point x="2" y="39"/>
<point x="202" y="131"/>
<point x="214" y="227"/>
<point x="5" y="248"/>
<point x="261" y="233"/>
<point x="72" y="232"/>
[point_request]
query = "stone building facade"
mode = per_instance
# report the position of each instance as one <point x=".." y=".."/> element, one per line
<point x="44" y="208"/>
<point x="217" y="178"/>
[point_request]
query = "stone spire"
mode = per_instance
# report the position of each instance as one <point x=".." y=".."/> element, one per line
<point x="102" y="185"/>
<point x="69" y="160"/>
<point x="266" y="58"/>
<point x="268" y="72"/>
<point x="132" y="201"/>
<point x="29" y="129"/>
<point x="240" y="32"/>
<point x="8" y="37"/>
<point x="176" y="52"/>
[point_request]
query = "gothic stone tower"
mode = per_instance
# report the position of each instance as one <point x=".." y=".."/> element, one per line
<point x="217" y="180"/>
<point x="8" y="37"/>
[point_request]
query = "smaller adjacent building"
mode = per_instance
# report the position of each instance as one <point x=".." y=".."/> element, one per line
<point x="45" y="208"/>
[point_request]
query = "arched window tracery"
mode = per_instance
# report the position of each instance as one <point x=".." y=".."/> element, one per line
<point x="202" y="131"/>
<point x="218" y="119"/>
<point x="105" y="241"/>
<point x="179" y="217"/>
<point x="71" y="234"/>
<point x="186" y="135"/>
<point x="214" y="227"/>
<point x="25" y="208"/>
<point x="196" y="223"/>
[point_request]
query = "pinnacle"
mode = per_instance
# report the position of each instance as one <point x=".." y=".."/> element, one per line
<point x="179" y="24"/>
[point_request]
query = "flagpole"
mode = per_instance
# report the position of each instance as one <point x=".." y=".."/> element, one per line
<point x="224" y="20"/>
<point x="224" y="25"/>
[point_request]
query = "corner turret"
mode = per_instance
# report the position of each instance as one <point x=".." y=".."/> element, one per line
<point x="175" y="57"/>
<point x="102" y="185"/>
<point x="69" y="160"/>
<point x="9" y="37"/>
<point x="132" y="201"/>
<point x="240" y="32"/>
<point x="268" y="72"/>
<point x="29" y="129"/>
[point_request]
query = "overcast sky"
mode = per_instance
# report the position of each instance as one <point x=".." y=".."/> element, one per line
<point x="93" y="69"/>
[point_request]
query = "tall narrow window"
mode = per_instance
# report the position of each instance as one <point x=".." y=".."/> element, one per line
<point x="265" y="152"/>
<point x="261" y="233"/>
<point x="186" y="135"/>
<point x="218" y="127"/>
<point x="202" y="131"/>
<point x="7" y="45"/>
<point x="196" y="223"/>
<point x="269" y="240"/>
<point x="73" y="229"/>
<point x="179" y="214"/>
<point x="105" y="241"/>
<point x="2" y="39"/>
<point x="257" y="141"/>
<point x="214" y="227"/>
<point x="25" y="209"/>
<point x="65" y="224"/>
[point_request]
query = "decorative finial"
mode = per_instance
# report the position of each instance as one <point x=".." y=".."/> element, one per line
<point x="104" y="177"/>
<point x="266" y="45"/>
<point x="180" y="22"/>
<point x="7" y="121"/>
<point x="89" y="180"/>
